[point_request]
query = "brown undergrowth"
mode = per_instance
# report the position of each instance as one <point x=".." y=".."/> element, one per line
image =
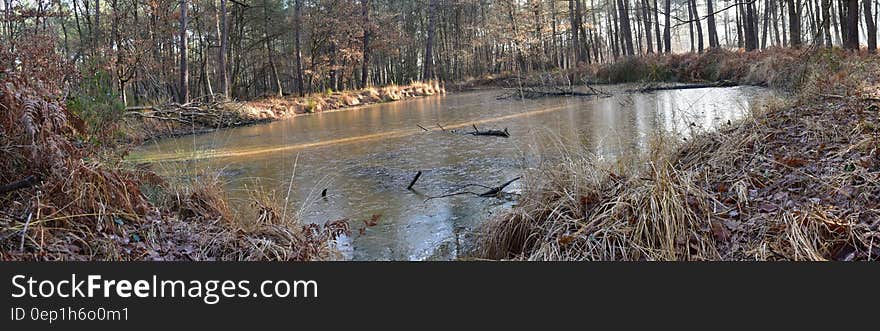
<point x="799" y="179"/>
<point x="779" y="68"/>
<point x="64" y="198"/>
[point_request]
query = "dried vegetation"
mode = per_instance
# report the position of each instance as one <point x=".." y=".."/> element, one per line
<point x="799" y="179"/>
<point x="69" y="199"/>
<point x="278" y="108"/>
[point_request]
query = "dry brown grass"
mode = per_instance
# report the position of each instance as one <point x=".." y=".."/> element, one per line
<point x="279" y="108"/>
<point x="269" y="230"/>
<point x="84" y="205"/>
<point x="77" y="195"/>
<point x="799" y="179"/>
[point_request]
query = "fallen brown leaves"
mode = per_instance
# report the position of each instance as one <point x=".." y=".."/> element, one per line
<point x="822" y="200"/>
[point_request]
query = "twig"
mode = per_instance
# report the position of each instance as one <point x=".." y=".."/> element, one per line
<point x="488" y="194"/>
<point x="495" y="191"/>
<point x="836" y="96"/>
<point x="414" y="180"/>
<point x="26" y="182"/>
<point x="24" y="232"/>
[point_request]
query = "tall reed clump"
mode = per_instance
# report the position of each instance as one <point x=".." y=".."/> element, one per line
<point x="270" y="230"/>
<point x="797" y="179"/>
<point x="586" y="209"/>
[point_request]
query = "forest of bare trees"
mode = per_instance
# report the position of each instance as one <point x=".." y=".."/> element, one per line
<point x="249" y="48"/>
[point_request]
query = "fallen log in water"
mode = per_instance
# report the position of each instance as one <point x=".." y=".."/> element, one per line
<point x="655" y="87"/>
<point x="494" y="133"/>
<point x="548" y="91"/>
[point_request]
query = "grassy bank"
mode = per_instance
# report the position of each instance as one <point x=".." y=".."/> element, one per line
<point x="64" y="194"/>
<point x="285" y="107"/>
<point x="799" y="179"/>
<point x="153" y="122"/>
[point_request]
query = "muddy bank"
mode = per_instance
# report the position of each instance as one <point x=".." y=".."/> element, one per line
<point x="797" y="180"/>
<point x="156" y="122"/>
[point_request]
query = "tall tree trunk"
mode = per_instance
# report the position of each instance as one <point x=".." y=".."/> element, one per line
<point x="774" y="15"/>
<point x="429" y="44"/>
<point x="691" y="26"/>
<point x="365" y="67"/>
<point x="646" y="17"/>
<point x="826" y="22"/>
<point x="297" y="16"/>
<point x="579" y="14"/>
<point x="597" y="34"/>
<point x="637" y="29"/>
<point x="726" y="28"/>
<point x="553" y="41"/>
<point x="667" y="34"/>
<point x="270" y="56"/>
<point x="841" y="21"/>
<point x="10" y="38"/>
<point x="794" y="22"/>
<point x="699" y="25"/>
<point x="120" y="72"/>
<point x="752" y="7"/>
<point x="871" y="27"/>
<point x="852" y="25"/>
<point x="766" y="27"/>
<point x="98" y="31"/>
<point x="710" y="22"/>
<point x="183" y="94"/>
<point x="817" y="18"/>
<point x="575" y="31"/>
<point x="626" y="31"/>
<point x="657" y="28"/>
<point x="614" y="30"/>
<point x="63" y="29"/>
<point x="334" y="76"/>
<point x="740" y="33"/>
<point x="224" y="46"/>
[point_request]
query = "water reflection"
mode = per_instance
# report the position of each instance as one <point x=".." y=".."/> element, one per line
<point x="366" y="157"/>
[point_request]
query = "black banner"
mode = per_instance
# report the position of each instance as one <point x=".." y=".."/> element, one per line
<point x="415" y="295"/>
